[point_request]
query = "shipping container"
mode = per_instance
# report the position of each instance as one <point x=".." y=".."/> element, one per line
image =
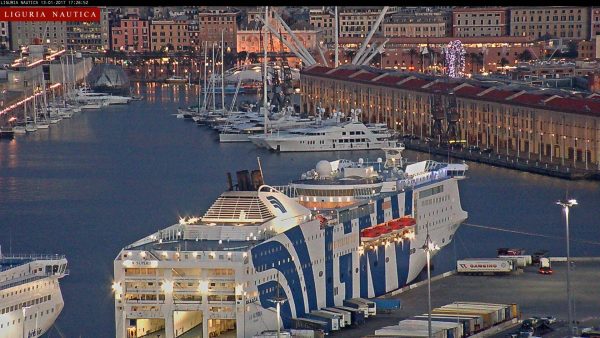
<point x="306" y="333"/>
<point x="353" y="303"/>
<point x="449" y="329"/>
<point x="522" y="260"/>
<point x="337" y="318"/>
<point x="485" y="266"/>
<point x="505" y="311"/>
<point x="496" y="312"/>
<point x="358" y="316"/>
<point x="486" y="321"/>
<point x="386" y="305"/>
<point x="346" y="315"/>
<point x="333" y="323"/>
<point x="468" y="323"/>
<point x="311" y="324"/>
<point x="405" y="331"/>
<point x="371" y="306"/>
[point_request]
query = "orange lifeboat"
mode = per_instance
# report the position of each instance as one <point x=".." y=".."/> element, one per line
<point x="407" y="221"/>
<point x="372" y="233"/>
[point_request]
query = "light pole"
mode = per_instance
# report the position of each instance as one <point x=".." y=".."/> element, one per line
<point x="566" y="204"/>
<point x="278" y="300"/>
<point x="429" y="247"/>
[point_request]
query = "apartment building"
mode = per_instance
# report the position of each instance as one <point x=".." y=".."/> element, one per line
<point x="214" y="21"/>
<point x="569" y="22"/>
<point x="131" y="34"/>
<point x="479" y="21"/>
<point x="416" y="25"/>
<point x="171" y="34"/>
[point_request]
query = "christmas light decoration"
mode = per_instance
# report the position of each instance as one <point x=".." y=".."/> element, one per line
<point x="455" y="59"/>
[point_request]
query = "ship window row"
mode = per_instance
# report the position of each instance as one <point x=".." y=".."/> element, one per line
<point x="435" y="200"/>
<point x="431" y="191"/>
<point x="363" y="210"/>
<point x="325" y="192"/>
<point x="27" y="289"/>
<point x="18" y="321"/>
<point x="26" y="304"/>
<point x="354" y="133"/>
<point x="350" y="140"/>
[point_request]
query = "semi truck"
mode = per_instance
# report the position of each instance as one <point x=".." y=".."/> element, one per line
<point x="486" y="266"/>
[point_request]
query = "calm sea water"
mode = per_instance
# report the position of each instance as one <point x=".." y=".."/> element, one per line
<point x="94" y="184"/>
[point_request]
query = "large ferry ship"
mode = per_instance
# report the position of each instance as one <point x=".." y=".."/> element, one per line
<point x="344" y="230"/>
<point x="30" y="296"/>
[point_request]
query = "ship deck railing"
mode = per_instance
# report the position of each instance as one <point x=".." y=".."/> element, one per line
<point x="24" y="281"/>
<point x="27" y="258"/>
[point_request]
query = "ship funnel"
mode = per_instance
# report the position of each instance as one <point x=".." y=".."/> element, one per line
<point x="243" y="178"/>
<point x="229" y="182"/>
<point x="257" y="179"/>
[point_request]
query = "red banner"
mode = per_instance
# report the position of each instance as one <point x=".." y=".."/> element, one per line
<point x="50" y="14"/>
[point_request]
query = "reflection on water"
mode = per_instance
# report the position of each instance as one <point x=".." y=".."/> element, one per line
<point x="103" y="179"/>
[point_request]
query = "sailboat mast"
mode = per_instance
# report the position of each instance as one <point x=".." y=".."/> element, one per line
<point x="205" y="66"/>
<point x="222" y="72"/>
<point x="265" y="67"/>
<point x="212" y="77"/>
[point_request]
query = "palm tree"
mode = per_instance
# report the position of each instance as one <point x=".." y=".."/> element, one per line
<point x="412" y="52"/>
<point x="473" y="57"/>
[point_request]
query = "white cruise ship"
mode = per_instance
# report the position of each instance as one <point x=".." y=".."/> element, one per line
<point x="344" y="230"/>
<point x="349" y="135"/>
<point x="30" y="296"/>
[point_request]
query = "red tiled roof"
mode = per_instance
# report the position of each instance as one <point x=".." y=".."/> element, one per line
<point x="414" y="83"/>
<point x="497" y="94"/>
<point x="469" y="91"/>
<point x="318" y="70"/>
<point x="389" y="79"/>
<point x="528" y="99"/>
<point x="341" y="73"/>
<point x="441" y="86"/>
<point x="589" y="106"/>
<point x="365" y="76"/>
<point x="571" y="104"/>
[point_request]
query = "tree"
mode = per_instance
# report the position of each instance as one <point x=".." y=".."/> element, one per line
<point x="230" y="59"/>
<point x="473" y="57"/>
<point x="504" y="62"/>
<point x="412" y="52"/>
<point x="253" y="57"/>
<point x="242" y="56"/>
<point x="525" y="55"/>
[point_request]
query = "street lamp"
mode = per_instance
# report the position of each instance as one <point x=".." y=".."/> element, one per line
<point x="429" y="247"/>
<point x="566" y="204"/>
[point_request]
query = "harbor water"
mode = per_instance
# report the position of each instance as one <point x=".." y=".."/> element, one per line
<point x="93" y="184"/>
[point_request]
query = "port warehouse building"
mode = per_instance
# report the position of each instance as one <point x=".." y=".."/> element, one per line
<point x="489" y="115"/>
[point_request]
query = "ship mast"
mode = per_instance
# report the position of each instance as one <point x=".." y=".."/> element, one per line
<point x="265" y="68"/>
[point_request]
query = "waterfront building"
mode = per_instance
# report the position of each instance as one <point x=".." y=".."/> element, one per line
<point x="88" y="35"/>
<point x="323" y="21"/>
<point x="4" y="35"/>
<point x="571" y="22"/>
<point x="357" y="21"/>
<point x="533" y="122"/>
<point x="171" y="34"/>
<point x="594" y="22"/>
<point x="484" y="54"/>
<point x="479" y="21"/>
<point x="586" y="49"/>
<point x="420" y="24"/>
<point x="131" y="34"/>
<point x="214" y="21"/>
<point x="52" y="33"/>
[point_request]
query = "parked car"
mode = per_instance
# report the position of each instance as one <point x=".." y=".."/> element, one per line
<point x="473" y="148"/>
<point x="487" y="150"/>
<point x="549" y="319"/>
<point x="546" y="270"/>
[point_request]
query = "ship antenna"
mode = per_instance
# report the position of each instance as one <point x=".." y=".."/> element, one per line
<point x="260" y="168"/>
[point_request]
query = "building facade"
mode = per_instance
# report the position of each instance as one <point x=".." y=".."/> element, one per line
<point x="586" y="49"/>
<point x="131" y="34"/>
<point x="89" y="35"/>
<point x="560" y="22"/>
<point x="415" y="26"/>
<point x="169" y="34"/>
<point x="213" y="22"/>
<point x="52" y="33"/>
<point x="323" y="21"/>
<point x="544" y="127"/>
<point x="358" y="21"/>
<point x="594" y="22"/>
<point x="4" y="35"/>
<point x="480" y="21"/>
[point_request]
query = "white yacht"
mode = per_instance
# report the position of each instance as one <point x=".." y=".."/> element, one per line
<point x="350" y="135"/>
<point x="30" y="296"/>
<point x="344" y="230"/>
